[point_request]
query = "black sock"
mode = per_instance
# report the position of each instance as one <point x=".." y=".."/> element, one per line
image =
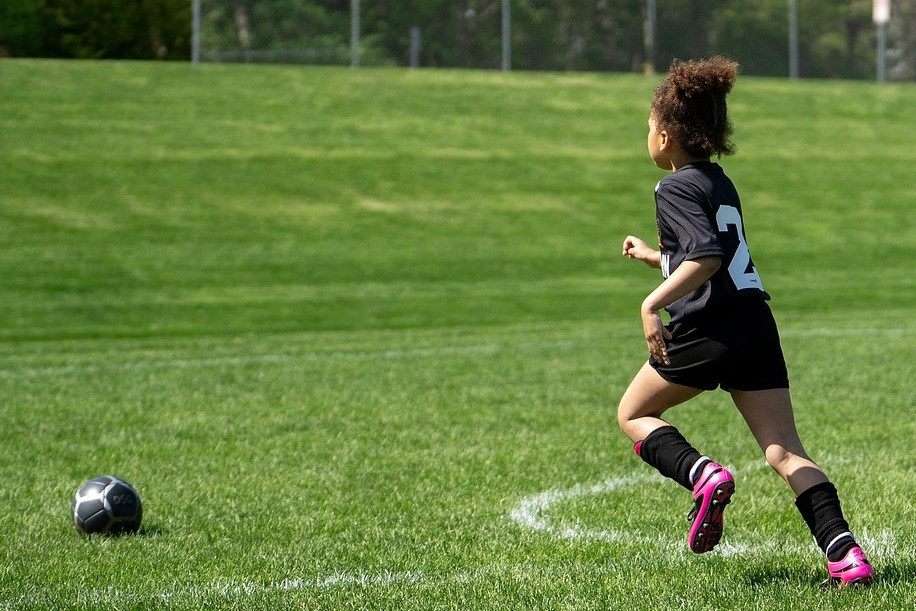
<point x="819" y="505"/>
<point x="667" y="450"/>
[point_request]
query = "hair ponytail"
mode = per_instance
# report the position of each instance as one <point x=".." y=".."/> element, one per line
<point x="690" y="105"/>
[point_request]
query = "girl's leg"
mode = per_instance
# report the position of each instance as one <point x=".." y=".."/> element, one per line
<point x="769" y="416"/>
<point x="658" y="443"/>
<point x="664" y="448"/>
<point x="646" y="399"/>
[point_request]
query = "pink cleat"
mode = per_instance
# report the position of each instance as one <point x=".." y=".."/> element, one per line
<point x="853" y="570"/>
<point x="711" y="493"/>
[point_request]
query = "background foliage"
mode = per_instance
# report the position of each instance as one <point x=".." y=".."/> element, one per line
<point x="96" y="29"/>
<point x="837" y="39"/>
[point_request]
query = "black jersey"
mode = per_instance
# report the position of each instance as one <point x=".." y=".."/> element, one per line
<point x="699" y="214"/>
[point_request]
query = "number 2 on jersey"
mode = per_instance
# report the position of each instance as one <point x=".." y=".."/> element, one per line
<point x="740" y="263"/>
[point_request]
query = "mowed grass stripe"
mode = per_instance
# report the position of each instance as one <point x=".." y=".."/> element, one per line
<point x="336" y="325"/>
<point x="146" y="360"/>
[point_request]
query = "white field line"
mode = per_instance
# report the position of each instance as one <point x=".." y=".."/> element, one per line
<point x="274" y="358"/>
<point x="881" y="546"/>
<point x="532" y="513"/>
<point x="845" y="332"/>
<point x="241" y="589"/>
<point x="18" y="371"/>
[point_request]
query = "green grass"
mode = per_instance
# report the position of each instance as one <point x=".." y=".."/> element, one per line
<point x="357" y="337"/>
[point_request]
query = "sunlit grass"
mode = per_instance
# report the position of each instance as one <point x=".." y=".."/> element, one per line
<point x="339" y="326"/>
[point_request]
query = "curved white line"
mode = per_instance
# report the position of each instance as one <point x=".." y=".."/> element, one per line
<point x="532" y="513"/>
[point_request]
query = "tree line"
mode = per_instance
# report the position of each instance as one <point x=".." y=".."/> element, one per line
<point x="836" y="38"/>
<point x="96" y="29"/>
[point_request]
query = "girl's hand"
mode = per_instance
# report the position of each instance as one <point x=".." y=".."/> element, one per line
<point x="655" y="334"/>
<point x="636" y="248"/>
<point x="688" y="276"/>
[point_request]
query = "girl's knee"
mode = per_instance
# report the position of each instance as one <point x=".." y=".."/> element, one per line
<point x="627" y="411"/>
<point x="623" y="422"/>
<point x="786" y="461"/>
<point x="778" y="458"/>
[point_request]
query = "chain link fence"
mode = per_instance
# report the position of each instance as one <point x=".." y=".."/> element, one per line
<point x="789" y="38"/>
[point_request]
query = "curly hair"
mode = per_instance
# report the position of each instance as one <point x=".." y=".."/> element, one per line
<point x="690" y="105"/>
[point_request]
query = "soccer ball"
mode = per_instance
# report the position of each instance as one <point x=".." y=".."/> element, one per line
<point x="106" y="505"/>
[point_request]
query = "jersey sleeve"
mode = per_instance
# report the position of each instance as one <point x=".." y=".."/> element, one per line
<point x="686" y="217"/>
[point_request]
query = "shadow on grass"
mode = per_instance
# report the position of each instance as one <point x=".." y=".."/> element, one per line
<point x="898" y="571"/>
<point x="769" y="575"/>
<point x="145" y="532"/>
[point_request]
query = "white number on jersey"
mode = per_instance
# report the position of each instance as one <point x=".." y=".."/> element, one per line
<point x="738" y="268"/>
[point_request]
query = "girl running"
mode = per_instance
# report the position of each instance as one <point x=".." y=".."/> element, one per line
<point x="721" y="331"/>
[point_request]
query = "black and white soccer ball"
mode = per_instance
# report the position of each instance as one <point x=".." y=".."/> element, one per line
<point x="106" y="505"/>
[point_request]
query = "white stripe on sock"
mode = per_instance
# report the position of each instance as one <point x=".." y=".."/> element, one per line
<point x="837" y="538"/>
<point x="696" y="466"/>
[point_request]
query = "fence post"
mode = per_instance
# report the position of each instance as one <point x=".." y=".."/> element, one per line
<point x="882" y="52"/>
<point x="414" y="47"/>
<point x="354" y="33"/>
<point x="881" y="14"/>
<point x="195" y="34"/>
<point x="507" y="37"/>
<point x="648" y="37"/>
<point x="793" y="39"/>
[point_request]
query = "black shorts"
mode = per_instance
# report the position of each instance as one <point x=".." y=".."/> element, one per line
<point x="738" y="350"/>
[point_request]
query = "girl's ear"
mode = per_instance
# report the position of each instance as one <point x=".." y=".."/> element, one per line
<point x="663" y="140"/>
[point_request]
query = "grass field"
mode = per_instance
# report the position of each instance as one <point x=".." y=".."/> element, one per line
<point x="358" y="337"/>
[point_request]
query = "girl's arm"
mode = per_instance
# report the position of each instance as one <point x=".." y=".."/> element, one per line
<point x="688" y="276"/>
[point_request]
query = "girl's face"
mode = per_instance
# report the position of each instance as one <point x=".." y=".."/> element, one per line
<point x="658" y="144"/>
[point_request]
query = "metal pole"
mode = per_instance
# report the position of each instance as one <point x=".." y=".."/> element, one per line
<point x="649" y="37"/>
<point x="354" y="33"/>
<point x="882" y="52"/>
<point x="195" y="34"/>
<point x="793" y="39"/>
<point x="507" y="37"/>
<point x="414" y="47"/>
<point x="881" y="14"/>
